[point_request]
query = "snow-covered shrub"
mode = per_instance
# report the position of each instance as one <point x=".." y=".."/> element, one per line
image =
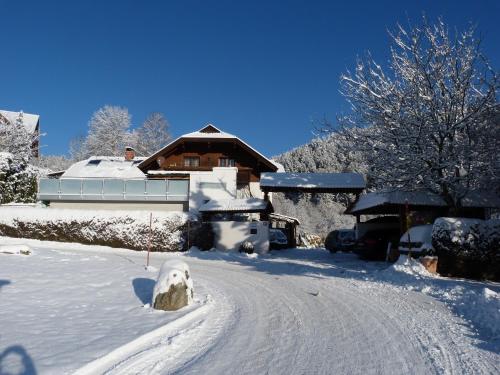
<point x="174" y="286"/>
<point x="467" y="247"/>
<point x="247" y="247"/>
<point x="17" y="179"/>
<point x="127" y="229"/>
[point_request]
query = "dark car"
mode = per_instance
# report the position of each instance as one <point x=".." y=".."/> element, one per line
<point x="340" y="240"/>
<point x="277" y="239"/>
<point x="373" y="244"/>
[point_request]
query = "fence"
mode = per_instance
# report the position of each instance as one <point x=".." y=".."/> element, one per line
<point x="50" y="189"/>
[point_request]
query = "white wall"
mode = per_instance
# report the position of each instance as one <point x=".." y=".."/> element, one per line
<point x="217" y="184"/>
<point x="230" y="234"/>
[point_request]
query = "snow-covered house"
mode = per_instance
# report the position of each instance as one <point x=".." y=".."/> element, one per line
<point x="31" y="123"/>
<point x="206" y="165"/>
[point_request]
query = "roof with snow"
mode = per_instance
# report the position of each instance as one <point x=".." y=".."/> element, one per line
<point x="385" y="201"/>
<point x="105" y="167"/>
<point x="235" y="205"/>
<point x="312" y="182"/>
<point x="30" y="121"/>
<point x="207" y="133"/>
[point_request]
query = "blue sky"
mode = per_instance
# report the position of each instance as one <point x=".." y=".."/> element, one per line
<point x="262" y="70"/>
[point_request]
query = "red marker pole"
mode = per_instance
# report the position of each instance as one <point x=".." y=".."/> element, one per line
<point x="149" y="237"/>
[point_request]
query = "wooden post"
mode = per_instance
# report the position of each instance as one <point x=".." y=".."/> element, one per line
<point x="407" y="221"/>
<point x="149" y="237"/>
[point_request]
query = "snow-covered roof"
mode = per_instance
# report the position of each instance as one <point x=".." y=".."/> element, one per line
<point x="235" y="205"/>
<point x="105" y="167"/>
<point x="420" y="198"/>
<point x="29" y="120"/>
<point x="208" y="132"/>
<point x="313" y="181"/>
<point x="284" y="218"/>
<point x="168" y="173"/>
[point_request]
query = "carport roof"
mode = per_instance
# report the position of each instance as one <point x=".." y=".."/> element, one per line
<point x="389" y="201"/>
<point x="312" y="182"/>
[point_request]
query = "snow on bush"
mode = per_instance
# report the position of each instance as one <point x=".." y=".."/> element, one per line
<point x="17" y="179"/>
<point x="467" y="247"/>
<point x="127" y="229"/>
<point x="174" y="286"/>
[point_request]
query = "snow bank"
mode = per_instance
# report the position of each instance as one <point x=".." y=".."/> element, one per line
<point x="123" y="229"/>
<point x="15" y="249"/>
<point x="473" y="301"/>
<point x="176" y="274"/>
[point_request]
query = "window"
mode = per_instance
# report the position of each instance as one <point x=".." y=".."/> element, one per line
<point x="191" y="161"/>
<point x="225" y="162"/>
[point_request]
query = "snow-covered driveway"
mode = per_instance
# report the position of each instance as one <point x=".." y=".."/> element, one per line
<point x="300" y="312"/>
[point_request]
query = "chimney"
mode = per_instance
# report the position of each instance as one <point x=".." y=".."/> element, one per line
<point x="129" y="153"/>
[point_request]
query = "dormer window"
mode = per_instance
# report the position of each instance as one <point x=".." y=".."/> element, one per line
<point x="191" y="161"/>
<point x="226" y="162"/>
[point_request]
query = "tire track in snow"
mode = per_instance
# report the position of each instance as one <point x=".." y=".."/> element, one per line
<point x="270" y="323"/>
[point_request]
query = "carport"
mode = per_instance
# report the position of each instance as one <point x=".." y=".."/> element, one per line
<point x="476" y="204"/>
<point x="333" y="183"/>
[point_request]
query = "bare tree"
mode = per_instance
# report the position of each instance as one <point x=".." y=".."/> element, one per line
<point x="430" y="120"/>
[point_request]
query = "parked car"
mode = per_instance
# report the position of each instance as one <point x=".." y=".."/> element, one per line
<point x="373" y="244"/>
<point x="420" y="241"/>
<point x="277" y="239"/>
<point x="340" y="240"/>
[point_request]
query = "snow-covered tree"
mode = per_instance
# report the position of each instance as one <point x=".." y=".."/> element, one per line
<point x="152" y="135"/>
<point x="109" y="134"/>
<point x="431" y="119"/>
<point x="53" y="162"/>
<point x="17" y="179"/>
<point x="15" y="139"/>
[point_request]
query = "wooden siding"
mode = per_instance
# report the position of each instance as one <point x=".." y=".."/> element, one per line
<point x="209" y="152"/>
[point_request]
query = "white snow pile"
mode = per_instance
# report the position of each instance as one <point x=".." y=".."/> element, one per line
<point x="173" y="273"/>
<point x="474" y="301"/>
<point x="125" y="229"/>
<point x="15" y="249"/>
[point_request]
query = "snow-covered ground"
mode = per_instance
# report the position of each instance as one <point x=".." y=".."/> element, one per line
<point x="69" y="307"/>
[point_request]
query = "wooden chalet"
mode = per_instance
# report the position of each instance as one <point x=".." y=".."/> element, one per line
<point x="205" y="150"/>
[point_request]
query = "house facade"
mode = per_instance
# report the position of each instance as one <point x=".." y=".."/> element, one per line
<point x="198" y="167"/>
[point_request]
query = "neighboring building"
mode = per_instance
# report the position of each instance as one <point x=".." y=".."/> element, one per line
<point x="190" y="171"/>
<point x="30" y="121"/>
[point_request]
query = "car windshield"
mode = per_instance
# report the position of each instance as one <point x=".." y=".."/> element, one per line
<point x="276" y="235"/>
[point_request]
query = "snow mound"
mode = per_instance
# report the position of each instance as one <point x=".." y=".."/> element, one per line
<point x="173" y="273"/>
<point x="410" y="266"/>
<point x="15" y="249"/>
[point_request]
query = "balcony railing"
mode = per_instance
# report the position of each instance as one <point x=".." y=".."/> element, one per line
<point x="50" y="189"/>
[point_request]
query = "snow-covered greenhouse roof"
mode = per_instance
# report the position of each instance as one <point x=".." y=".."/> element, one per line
<point x="377" y="202"/>
<point x="235" y="205"/>
<point x="313" y="182"/>
<point x="105" y="167"/>
<point x="30" y="121"/>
